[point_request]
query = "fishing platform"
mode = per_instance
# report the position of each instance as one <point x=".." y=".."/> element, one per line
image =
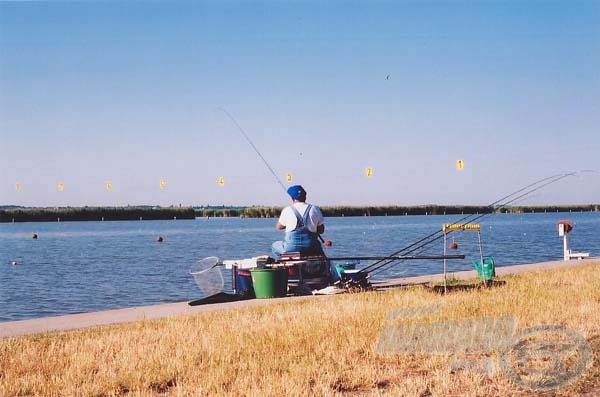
<point x="293" y="275"/>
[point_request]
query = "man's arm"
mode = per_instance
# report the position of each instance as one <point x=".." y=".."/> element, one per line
<point x="321" y="229"/>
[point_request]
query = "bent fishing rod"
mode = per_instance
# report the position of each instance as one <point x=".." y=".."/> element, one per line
<point x="241" y="130"/>
<point x="496" y="205"/>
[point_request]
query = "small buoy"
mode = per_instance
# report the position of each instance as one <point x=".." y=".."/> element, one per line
<point x="34" y="236"/>
<point x="14" y="263"/>
<point x="453" y="246"/>
<point x="328" y="243"/>
<point x="159" y="239"/>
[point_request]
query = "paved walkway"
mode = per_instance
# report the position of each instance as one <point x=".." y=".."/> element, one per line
<point x="83" y="320"/>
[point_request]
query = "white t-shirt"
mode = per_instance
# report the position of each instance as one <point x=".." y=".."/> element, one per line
<point x="288" y="218"/>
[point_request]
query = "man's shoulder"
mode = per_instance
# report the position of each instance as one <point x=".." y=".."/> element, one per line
<point x="315" y="209"/>
<point x="287" y="209"/>
<point x="298" y="205"/>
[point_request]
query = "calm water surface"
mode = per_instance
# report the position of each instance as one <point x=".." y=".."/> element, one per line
<point x="76" y="267"/>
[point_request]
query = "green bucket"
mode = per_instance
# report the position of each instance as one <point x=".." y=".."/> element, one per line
<point x="270" y="282"/>
<point x="486" y="270"/>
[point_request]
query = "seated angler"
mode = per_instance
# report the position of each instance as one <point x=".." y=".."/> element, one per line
<point x="303" y="223"/>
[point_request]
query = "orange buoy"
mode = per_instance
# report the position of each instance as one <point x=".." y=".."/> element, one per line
<point x="453" y="246"/>
<point x="159" y="239"/>
<point x="34" y="236"/>
<point x="328" y="243"/>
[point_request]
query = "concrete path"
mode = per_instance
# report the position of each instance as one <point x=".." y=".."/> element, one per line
<point x="83" y="320"/>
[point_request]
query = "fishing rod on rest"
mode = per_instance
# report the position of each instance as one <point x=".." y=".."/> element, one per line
<point x="493" y="207"/>
<point x="395" y="258"/>
<point x="328" y="242"/>
<point x="473" y="217"/>
<point x="498" y="204"/>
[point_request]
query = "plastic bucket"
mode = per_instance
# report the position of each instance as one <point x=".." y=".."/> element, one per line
<point x="339" y="268"/>
<point x="269" y="282"/>
<point x="243" y="283"/>
<point x="486" y="270"/>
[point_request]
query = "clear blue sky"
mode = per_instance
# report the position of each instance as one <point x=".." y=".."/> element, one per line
<point x="128" y="93"/>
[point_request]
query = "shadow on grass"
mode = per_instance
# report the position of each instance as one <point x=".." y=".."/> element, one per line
<point x="439" y="289"/>
<point x="221" y="297"/>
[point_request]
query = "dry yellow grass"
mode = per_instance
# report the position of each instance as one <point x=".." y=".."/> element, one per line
<point x="319" y="347"/>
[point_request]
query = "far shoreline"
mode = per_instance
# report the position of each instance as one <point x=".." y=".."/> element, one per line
<point x="17" y="214"/>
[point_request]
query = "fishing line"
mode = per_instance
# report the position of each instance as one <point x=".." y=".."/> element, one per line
<point x="327" y="243"/>
<point x="253" y="147"/>
<point x="496" y="205"/>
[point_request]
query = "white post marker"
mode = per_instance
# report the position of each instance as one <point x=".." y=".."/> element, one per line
<point x="564" y="228"/>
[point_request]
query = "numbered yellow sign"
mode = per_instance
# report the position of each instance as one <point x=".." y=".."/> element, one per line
<point x="108" y="185"/>
<point x="162" y="184"/>
<point x="460" y="164"/>
<point x="221" y="181"/>
<point x="369" y="171"/>
<point x="17" y="186"/>
<point x="288" y="177"/>
<point x="61" y="186"/>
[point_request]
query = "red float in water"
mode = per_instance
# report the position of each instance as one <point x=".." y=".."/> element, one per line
<point x="453" y="246"/>
<point x="159" y="239"/>
<point x="328" y="243"/>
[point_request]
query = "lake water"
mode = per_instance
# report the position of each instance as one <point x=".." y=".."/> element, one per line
<point x="76" y="267"/>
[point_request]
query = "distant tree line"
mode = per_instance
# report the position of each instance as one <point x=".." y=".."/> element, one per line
<point x="21" y="214"/>
<point x="271" y="212"/>
<point x="553" y="208"/>
<point x="241" y="212"/>
<point x="402" y="210"/>
<point x="28" y="214"/>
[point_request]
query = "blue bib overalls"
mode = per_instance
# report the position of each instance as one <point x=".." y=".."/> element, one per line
<point x="300" y="239"/>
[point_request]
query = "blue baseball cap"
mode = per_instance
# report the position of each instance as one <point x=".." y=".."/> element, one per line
<point x="297" y="192"/>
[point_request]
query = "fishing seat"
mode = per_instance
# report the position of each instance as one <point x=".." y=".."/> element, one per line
<point x="306" y="273"/>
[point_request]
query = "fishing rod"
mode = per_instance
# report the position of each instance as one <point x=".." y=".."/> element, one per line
<point x="498" y="204"/>
<point x="395" y="258"/>
<point x="425" y="240"/>
<point x="233" y="120"/>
